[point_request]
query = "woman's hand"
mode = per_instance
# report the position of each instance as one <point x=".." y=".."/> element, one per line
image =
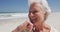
<point x="25" y="26"/>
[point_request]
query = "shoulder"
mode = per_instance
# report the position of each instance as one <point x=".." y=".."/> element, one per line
<point x="50" y="28"/>
<point x="47" y="27"/>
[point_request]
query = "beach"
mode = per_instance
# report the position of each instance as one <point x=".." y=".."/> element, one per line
<point x="7" y="24"/>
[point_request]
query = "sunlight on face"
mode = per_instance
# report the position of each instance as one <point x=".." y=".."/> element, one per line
<point x="35" y="13"/>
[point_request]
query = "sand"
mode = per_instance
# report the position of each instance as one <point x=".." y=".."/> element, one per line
<point x="9" y="24"/>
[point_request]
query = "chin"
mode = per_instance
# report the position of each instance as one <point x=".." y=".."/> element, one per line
<point x="33" y="20"/>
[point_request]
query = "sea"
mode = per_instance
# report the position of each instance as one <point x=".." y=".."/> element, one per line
<point x="10" y="21"/>
<point x="11" y="15"/>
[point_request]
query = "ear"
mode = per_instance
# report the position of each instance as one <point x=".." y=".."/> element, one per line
<point x="46" y="16"/>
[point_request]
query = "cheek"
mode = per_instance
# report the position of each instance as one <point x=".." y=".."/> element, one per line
<point x="29" y="16"/>
<point x="40" y="16"/>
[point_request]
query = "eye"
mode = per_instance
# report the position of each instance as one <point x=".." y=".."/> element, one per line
<point x="34" y="12"/>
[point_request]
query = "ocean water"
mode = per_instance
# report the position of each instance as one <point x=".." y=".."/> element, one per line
<point x="9" y="21"/>
<point x="12" y="17"/>
<point x="9" y="15"/>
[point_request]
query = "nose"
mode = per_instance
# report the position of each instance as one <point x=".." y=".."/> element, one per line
<point x="31" y="14"/>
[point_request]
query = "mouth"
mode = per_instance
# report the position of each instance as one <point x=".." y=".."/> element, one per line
<point x="33" y="20"/>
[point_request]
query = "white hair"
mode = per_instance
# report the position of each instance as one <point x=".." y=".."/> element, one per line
<point x="43" y="3"/>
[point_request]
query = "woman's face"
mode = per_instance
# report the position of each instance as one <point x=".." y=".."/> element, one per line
<point x="36" y="14"/>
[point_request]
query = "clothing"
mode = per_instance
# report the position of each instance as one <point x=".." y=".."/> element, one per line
<point x="53" y="30"/>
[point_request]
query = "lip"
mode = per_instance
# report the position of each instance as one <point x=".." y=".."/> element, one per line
<point x="33" y="20"/>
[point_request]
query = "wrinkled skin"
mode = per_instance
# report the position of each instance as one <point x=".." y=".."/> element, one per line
<point x="29" y="26"/>
<point x="36" y="18"/>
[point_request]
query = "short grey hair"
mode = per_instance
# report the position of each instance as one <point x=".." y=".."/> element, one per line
<point x="42" y="3"/>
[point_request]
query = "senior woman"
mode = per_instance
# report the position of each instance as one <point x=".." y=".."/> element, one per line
<point x="38" y="13"/>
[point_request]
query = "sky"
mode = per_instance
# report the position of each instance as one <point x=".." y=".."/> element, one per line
<point x="21" y="6"/>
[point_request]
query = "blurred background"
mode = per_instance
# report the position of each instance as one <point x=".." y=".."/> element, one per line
<point x="15" y="12"/>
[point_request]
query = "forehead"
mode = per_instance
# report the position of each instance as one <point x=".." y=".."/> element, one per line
<point x="35" y="6"/>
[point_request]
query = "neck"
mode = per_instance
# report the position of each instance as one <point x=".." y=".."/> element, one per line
<point x="38" y="26"/>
